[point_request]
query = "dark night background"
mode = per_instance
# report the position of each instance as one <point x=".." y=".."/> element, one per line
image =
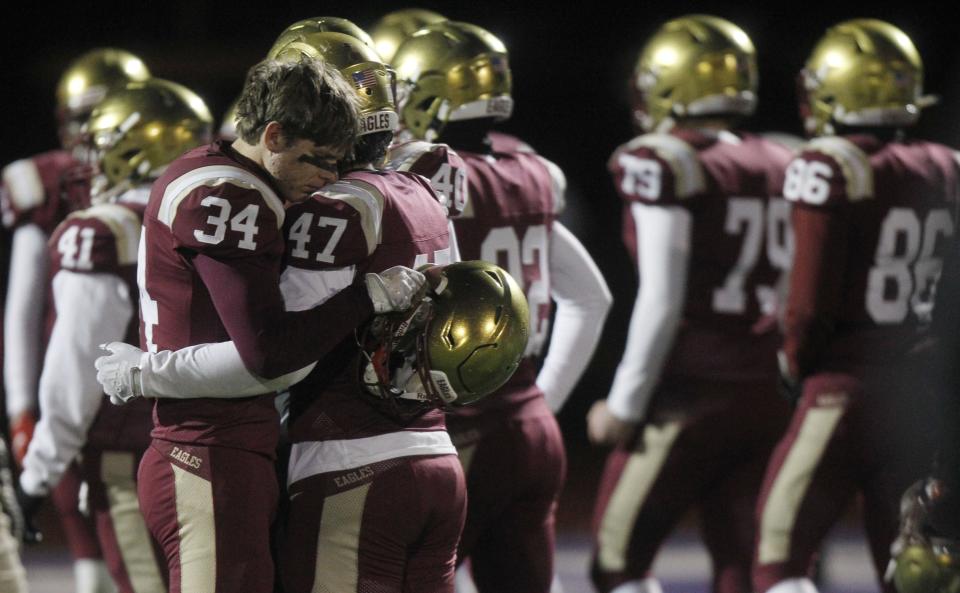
<point x="570" y="66"/>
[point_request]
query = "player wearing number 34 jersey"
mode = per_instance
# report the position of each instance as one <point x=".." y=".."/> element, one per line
<point x="872" y="214"/>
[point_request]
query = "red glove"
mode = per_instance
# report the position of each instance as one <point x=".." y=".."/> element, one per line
<point x="21" y="433"/>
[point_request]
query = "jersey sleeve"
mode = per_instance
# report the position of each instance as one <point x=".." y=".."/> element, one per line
<point x="558" y="185"/>
<point x="438" y="163"/>
<point x="657" y="169"/>
<point x="91" y="310"/>
<point x="23" y="191"/>
<point x="828" y="173"/>
<point x="335" y="228"/>
<point x="816" y="285"/>
<point x="100" y="239"/>
<point x="223" y="212"/>
<point x="583" y="301"/>
<point x="664" y="236"/>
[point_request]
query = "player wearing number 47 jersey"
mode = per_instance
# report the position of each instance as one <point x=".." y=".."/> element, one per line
<point x="693" y="410"/>
<point x="873" y="214"/>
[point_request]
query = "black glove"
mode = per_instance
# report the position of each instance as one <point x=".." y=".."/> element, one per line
<point x="29" y="506"/>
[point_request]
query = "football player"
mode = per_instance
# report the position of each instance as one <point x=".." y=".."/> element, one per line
<point x="13" y="578"/>
<point x="873" y="212"/>
<point x="361" y="455"/>
<point x="131" y="137"/>
<point x="38" y="193"/>
<point x="705" y="226"/>
<point x="456" y="83"/>
<point x="393" y="28"/>
<point x="209" y="271"/>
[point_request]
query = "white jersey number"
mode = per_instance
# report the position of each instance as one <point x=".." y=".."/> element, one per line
<point x="75" y="245"/>
<point x="530" y="252"/>
<point x="300" y="236"/>
<point x="747" y="217"/>
<point x="807" y="181"/>
<point x="245" y="222"/>
<point x="906" y="271"/>
<point x="149" y="314"/>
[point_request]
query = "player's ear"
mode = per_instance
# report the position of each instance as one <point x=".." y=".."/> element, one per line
<point x="273" y="137"/>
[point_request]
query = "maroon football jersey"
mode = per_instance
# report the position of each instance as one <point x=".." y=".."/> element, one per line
<point x="514" y="199"/>
<point x="501" y="142"/>
<point x="43" y="190"/>
<point x="103" y="240"/>
<point x="739" y="243"/>
<point x="368" y="222"/>
<point x="438" y="163"/>
<point x="873" y="221"/>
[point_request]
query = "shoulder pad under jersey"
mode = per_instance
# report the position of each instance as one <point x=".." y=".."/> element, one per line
<point x="854" y="164"/>
<point x="24" y="185"/>
<point x="682" y="160"/>
<point x="558" y="182"/>
<point x="101" y="238"/>
<point x="212" y="177"/>
<point x="368" y="203"/>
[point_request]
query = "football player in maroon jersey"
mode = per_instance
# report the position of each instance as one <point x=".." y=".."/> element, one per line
<point x="38" y="193"/>
<point x="706" y="228"/>
<point x="509" y="443"/>
<point x="873" y="213"/>
<point x="209" y="271"/>
<point x="93" y="256"/>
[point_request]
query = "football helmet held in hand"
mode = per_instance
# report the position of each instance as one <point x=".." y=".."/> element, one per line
<point x="134" y="133"/>
<point x="694" y="66"/>
<point x="87" y="81"/>
<point x="451" y="71"/>
<point x="463" y="341"/>
<point x="862" y="72"/>
<point x="395" y="27"/>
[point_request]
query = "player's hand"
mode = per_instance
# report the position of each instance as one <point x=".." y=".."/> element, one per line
<point x="604" y="428"/>
<point x="29" y="506"/>
<point x="789" y="385"/>
<point x="21" y="433"/>
<point x="394" y="289"/>
<point x="119" y="372"/>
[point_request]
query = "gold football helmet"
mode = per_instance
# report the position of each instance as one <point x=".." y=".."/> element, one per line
<point x="374" y="81"/>
<point x="475" y="338"/>
<point x="862" y="72"/>
<point x="228" y="125"/>
<point x="451" y="71"/>
<point x="695" y="65"/>
<point x="461" y="343"/>
<point x="87" y="81"/>
<point x="396" y="27"/>
<point x="922" y="559"/>
<point x="319" y="24"/>
<point x="135" y="132"/>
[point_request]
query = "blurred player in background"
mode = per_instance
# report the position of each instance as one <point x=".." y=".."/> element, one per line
<point x="13" y="578"/>
<point x="132" y="135"/>
<point x="455" y="83"/>
<point x="38" y="193"/>
<point x="693" y="411"/>
<point x="873" y="214"/>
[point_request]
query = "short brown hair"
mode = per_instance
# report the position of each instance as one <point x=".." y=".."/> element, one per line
<point x="309" y="99"/>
